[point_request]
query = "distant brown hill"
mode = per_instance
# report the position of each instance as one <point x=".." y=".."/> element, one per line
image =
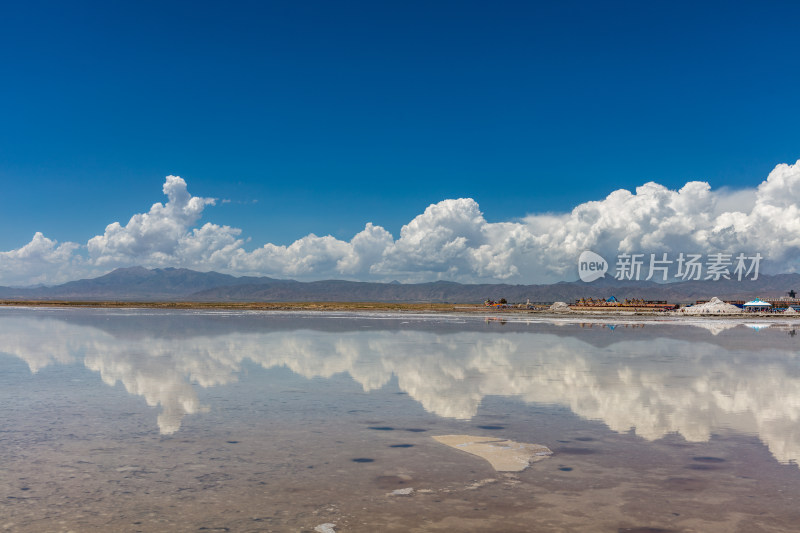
<point x="173" y="284"/>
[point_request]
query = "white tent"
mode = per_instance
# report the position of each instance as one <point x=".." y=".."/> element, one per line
<point x="758" y="303"/>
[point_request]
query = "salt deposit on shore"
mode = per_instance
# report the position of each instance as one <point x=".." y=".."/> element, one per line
<point x="560" y="307"/>
<point x="715" y="306"/>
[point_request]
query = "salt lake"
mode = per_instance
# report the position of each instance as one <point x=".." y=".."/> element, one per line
<point x="142" y="420"/>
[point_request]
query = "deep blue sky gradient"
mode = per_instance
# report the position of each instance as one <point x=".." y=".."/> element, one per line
<point x="334" y="114"/>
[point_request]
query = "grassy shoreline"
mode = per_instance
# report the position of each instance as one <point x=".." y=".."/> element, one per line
<point x="383" y="307"/>
<point x="261" y="306"/>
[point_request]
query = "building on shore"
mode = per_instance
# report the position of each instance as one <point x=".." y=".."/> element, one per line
<point x="613" y="303"/>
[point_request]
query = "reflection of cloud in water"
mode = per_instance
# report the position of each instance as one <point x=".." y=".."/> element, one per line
<point x="672" y="385"/>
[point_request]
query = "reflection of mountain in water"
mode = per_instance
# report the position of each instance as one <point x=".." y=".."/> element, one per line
<point x="672" y="385"/>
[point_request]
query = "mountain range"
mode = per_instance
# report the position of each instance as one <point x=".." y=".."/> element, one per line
<point x="180" y="284"/>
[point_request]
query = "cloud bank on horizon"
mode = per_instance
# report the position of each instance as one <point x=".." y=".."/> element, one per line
<point x="450" y="240"/>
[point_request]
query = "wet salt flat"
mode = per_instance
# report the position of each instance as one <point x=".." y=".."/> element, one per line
<point x="125" y="420"/>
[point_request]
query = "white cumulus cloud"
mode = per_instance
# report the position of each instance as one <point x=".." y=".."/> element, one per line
<point x="154" y="237"/>
<point x="450" y="240"/>
<point x="40" y="261"/>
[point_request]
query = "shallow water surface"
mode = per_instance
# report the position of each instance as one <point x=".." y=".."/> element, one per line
<point x="126" y="420"/>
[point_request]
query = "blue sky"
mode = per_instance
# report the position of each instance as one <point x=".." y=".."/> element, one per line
<point x="319" y="117"/>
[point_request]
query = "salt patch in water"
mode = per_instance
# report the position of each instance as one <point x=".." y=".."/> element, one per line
<point x="504" y="455"/>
